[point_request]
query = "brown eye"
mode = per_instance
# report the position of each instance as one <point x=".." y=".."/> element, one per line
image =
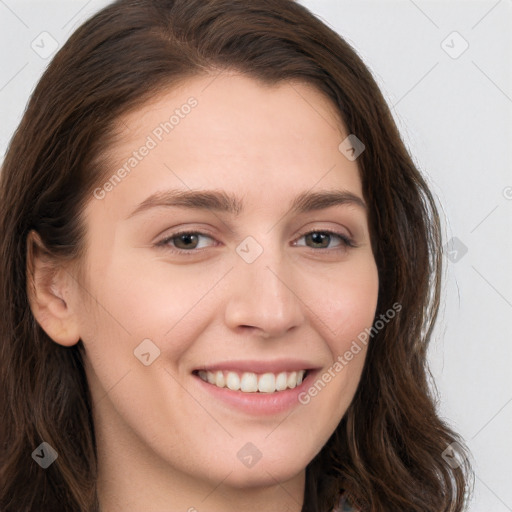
<point x="326" y="240"/>
<point x="319" y="240"/>
<point x="186" y="241"/>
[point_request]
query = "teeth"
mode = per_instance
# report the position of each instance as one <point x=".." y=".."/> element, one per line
<point x="219" y="379"/>
<point x="292" y="380"/>
<point x="267" y="383"/>
<point x="232" y="381"/>
<point x="281" y="381"/>
<point x="250" y="382"/>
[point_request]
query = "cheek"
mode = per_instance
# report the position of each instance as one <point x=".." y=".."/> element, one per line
<point x="139" y="298"/>
<point x="343" y="305"/>
<point x="346" y="304"/>
<point x="132" y="301"/>
<point x="344" y="301"/>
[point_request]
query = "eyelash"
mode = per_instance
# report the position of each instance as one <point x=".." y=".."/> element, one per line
<point x="346" y="242"/>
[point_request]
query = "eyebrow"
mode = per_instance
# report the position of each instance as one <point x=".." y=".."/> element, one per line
<point x="221" y="201"/>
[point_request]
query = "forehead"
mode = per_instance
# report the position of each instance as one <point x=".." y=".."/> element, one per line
<point x="232" y="132"/>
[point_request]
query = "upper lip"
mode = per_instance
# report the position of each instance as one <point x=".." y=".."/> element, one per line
<point x="259" y="366"/>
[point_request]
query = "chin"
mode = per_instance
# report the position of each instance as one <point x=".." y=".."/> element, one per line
<point x="263" y="475"/>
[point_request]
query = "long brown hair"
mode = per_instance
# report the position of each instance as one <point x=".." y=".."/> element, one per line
<point x="387" y="451"/>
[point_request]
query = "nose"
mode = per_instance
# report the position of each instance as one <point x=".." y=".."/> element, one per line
<point x="263" y="297"/>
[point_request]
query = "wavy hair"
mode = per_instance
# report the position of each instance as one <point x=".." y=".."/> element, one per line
<point x="386" y="453"/>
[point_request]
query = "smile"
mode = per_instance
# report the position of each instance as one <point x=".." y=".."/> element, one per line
<point x="250" y="382"/>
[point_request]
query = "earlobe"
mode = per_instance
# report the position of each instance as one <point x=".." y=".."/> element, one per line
<point x="48" y="290"/>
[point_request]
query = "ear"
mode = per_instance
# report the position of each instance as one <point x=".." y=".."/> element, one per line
<point x="49" y="289"/>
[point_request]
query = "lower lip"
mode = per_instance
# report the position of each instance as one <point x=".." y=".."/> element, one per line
<point x="258" y="403"/>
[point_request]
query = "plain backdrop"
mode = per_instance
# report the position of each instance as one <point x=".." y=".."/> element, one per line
<point x="445" y="68"/>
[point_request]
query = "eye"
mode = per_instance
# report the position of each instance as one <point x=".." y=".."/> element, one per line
<point x="323" y="239"/>
<point x="185" y="241"/>
<point x="190" y="241"/>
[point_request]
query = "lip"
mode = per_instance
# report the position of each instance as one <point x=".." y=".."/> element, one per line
<point x="277" y="366"/>
<point x="257" y="404"/>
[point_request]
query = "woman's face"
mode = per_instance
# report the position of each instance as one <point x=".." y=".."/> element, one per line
<point x="259" y="287"/>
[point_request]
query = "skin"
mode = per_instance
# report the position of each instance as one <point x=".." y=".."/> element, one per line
<point x="164" y="443"/>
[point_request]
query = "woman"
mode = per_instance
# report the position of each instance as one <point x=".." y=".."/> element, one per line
<point x="221" y="270"/>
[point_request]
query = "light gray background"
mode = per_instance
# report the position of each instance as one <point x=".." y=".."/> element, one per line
<point x="455" y="115"/>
